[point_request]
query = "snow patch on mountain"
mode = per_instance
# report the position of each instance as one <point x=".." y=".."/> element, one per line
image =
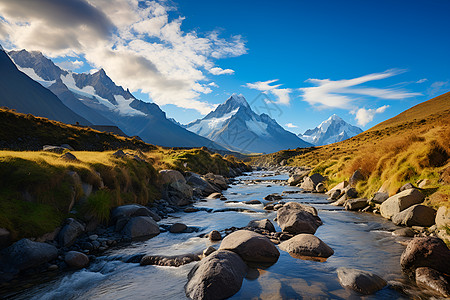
<point x="207" y="126"/>
<point x="32" y="74"/>
<point x="258" y="128"/>
<point x="124" y="108"/>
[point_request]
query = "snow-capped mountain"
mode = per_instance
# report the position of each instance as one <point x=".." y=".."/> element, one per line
<point x="332" y="130"/>
<point x="100" y="101"/>
<point x="235" y="126"/>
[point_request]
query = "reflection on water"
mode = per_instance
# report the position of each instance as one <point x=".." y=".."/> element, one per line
<point x="359" y="240"/>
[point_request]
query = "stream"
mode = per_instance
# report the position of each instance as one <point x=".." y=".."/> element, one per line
<point x="359" y="240"/>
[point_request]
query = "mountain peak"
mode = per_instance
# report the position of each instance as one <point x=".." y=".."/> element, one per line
<point x="335" y="117"/>
<point x="238" y="99"/>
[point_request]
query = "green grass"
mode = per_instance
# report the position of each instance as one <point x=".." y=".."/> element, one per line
<point x="98" y="205"/>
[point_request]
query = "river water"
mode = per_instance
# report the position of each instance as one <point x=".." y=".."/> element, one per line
<point x="359" y="240"/>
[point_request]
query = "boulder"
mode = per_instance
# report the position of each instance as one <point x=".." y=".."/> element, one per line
<point x="218" y="276"/>
<point x="340" y="186"/>
<point x="132" y="210"/>
<point x="401" y="201"/>
<point x="351" y="193"/>
<point x="405" y="232"/>
<point x="355" y="204"/>
<point x="356" y="177"/>
<point x="177" y="228"/>
<point x="360" y="281"/>
<point x="379" y="197"/>
<point x="297" y="219"/>
<point x="76" y="260"/>
<point x="263" y="224"/>
<point x="196" y="181"/>
<point x="251" y="246"/>
<point x="215" y="236"/>
<point x="308" y="184"/>
<point x="295" y="179"/>
<point x="407" y="187"/>
<point x="216" y="180"/>
<point x="434" y="280"/>
<point x="316" y="178"/>
<point x="69" y="157"/>
<point x="140" y="227"/>
<point x="320" y="188"/>
<point x="335" y="195"/>
<point x="25" y="254"/>
<point x="306" y="245"/>
<point x="428" y="252"/>
<point x="442" y="217"/>
<point x="273" y="197"/>
<point x="171" y="176"/>
<point x="179" y="193"/>
<point x="5" y="238"/>
<point x="295" y="205"/>
<point x="70" y="232"/>
<point x="416" y="215"/>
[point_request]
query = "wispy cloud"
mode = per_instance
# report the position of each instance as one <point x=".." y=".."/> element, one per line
<point x="282" y="95"/>
<point x="422" y="80"/>
<point x="364" y="116"/>
<point x="220" y="71"/>
<point x="438" y="87"/>
<point x="344" y="93"/>
<point x="139" y="43"/>
<point x="290" y="125"/>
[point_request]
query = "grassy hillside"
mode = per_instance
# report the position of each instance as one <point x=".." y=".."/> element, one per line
<point x="411" y="146"/>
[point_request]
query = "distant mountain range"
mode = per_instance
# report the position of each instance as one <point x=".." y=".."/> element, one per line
<point x="235" y="126"/>
<point x="332" y="130"/>
<point x="98" y="100"/>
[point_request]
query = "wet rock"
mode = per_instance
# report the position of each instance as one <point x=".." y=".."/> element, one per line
<point x="320" y="188"/>
<point x="401" y="201"/>
<point x="356" y="177"/>
<point x="355" y="204"/>
<point x="169" y="261"/>
<point x="196" y="181"/>
<point x="215" y="235"/>
<point x="416" y="215"/>
<point x="426" y="252"/>
<point x="379" y="197"/>
<point x="263" y="224"/>
<point x="70" y="232"/>
<point x="273" y="197"/>
<point x="360" y="281"/>
<point x="177" y="228"/>
<point x="306" y="245"/>
<point x="140" y="227"/>
<point x="191" y="209"/>
<point x="432" y="279"/>
<point x="76" y="260"/>
<point x="335" y="195"/>
<point x="297" y="218"/>
<point x="340" y="186"/>
<point x="252" y="202"/>
<point x="216" y="180"/>
<point x="218" y="276"/>
<point x="269" y="207"/>
<point x="132" y="210"/>
<point x="251" y="246"/>
<point x="405" y="232"/>
<point x="26" y="254"/>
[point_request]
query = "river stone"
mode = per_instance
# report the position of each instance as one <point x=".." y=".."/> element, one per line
<point x="401" y="201"/>
<point x="171" y="176"/>
<point x="218" y="276"/>
<point x="405" y="232"/>
<point x="70" y="232"/>
<point x="416" y="215"/>
<point x="215" y="196"/>
<point x="76" y="260"/>
<point x="426" y="252"/>
<point x="177" y="228"/>
<point x="252" y="202"/>
<point x="308" y="184"/>
<point x="179" y="193"/>
<point x="360" y="281"/>
<point x="306" y="245"/>
<point x="169" y="261"/>
<point x="140" y="227"/>
<point x="316" y="178"/>
<point x="263" y="224"/>
<point x="215" y="236"/>
<point x="335" y="195"/>
<point x="340" y="186"/>
<point x="341" y="201"/>
<point x="216" y="180"/>
<point x="295" y="179"/>
<point x="251" y="246"/>
<point x="295" y="205"/>
<point x="355" y="204"/>
<point x="132" y="210"/>
<point x="297" y="220"/>
<point x="356" y="177"/>
<point x="26" y="254"/>
<point x="434" y="280"/>
<point x="196" y="181"/>
<point x="208" y="251"/>
<point x="379" y="197"/>
<point x="351" y="193"/>
<point x="320" y="188"/>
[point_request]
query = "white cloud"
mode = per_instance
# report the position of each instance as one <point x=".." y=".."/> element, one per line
<point x="220" y="71"/>
<point x="364" y="116"/>
<point x="438" y="87"/>
<point x="343" y="93"/>
<point x="213" y="84"/>
<point x="139" y="44"/>
<point x="282" y="95"/>
<point x="70" y="65"/>
<point x="290" y="125"/>
<point x="422" y="80"/>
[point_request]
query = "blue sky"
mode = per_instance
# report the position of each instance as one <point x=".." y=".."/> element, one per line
<point x="380" y="57"/>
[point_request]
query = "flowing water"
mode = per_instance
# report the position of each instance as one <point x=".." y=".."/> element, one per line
<point x="359" y="240"/>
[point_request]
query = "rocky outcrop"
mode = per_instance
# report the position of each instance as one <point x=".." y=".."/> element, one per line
<point x="197" y="182"/>
<point x="428" y="252"/>
<point x="416" y="215"/>
<point x="379" y="197"/>
<point x="217" y="181"/>
<point x="140" y="227"/>
<point x="355" y="204"/>
<point x="310" y="183"/>
<point x="297" y="218"/>
<point x="262" y="224"/>
<point x="306" y="245"/>
<point x="175" y="189"/>
<point x="399" y="202"/>
<point x="434" y="280"/>
<point x="360" y="281"/>
<point x="357" y="176"/>
<point x="70" y="232"/>
<point x="251" y="246"/>
<point x="218" y="276"/>
<point x="125" y="212"/>
<point x="76" y="260"/>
